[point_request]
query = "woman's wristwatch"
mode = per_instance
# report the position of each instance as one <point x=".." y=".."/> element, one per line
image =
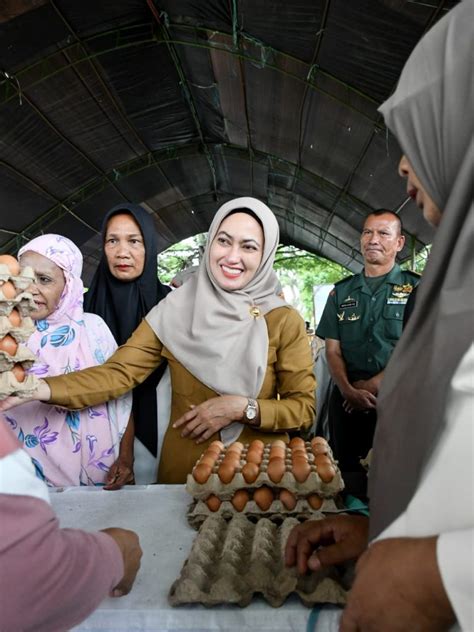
<point x="251" y="412"/>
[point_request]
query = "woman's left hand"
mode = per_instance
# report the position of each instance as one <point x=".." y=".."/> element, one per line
<point x="120" y="474"/>
<point x="204" y="420"/>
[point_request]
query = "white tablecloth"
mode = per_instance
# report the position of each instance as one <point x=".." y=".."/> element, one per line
<point x="158" y="514"/>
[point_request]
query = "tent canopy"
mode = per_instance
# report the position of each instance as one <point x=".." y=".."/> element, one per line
<point x="181" y="105"/>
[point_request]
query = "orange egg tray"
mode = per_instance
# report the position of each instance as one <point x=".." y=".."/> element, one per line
<point x="231" y="562"/>
<point x="16" y="326"/>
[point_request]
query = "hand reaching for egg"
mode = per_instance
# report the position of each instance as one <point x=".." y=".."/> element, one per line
<point x="204" y="420"/>
<point x="316" y="544"/>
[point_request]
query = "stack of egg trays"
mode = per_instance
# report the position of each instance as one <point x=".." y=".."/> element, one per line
<point x="24" y="303"/>
<point x="199" y="511"/>
<point x="231" y="562"/>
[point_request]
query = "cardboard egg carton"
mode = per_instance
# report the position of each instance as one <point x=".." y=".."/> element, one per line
<point x="21" y="281"/>
<point x="23" y="302"/>
<point x="21" y="333"/>
<point x="9" y="385"/>
<point x="312" y="484"/>
<point x="277" y="512"/>
<point x="23" y="356"/>
<point x="230" y="562"/>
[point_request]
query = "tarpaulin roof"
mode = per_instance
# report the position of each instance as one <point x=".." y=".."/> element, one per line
<point x="182" y="104"/>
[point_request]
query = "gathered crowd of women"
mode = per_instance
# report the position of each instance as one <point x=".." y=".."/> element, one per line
<point x="241" y="367"/>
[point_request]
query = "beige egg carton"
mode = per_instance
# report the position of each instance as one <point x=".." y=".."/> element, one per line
<point x="23" y="302"/>
<point x="231" y="562"/>
<point x="21" y="281"/>
<point x="199" y="511"/>
<point x="23" y="356"/>
<point x="312" y="484"/>
<point x="22" y="333"/>
<point x="9" y="385"/>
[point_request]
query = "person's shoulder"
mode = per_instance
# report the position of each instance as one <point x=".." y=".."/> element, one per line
<point x="411" y="274"/>
<point x="285" y="313"/>
<point x="93" y="319"/>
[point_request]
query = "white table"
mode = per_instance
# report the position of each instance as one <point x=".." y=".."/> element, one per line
<point x="158" y="514"/>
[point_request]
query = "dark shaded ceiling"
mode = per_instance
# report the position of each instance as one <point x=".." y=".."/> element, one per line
<point x="182" y="104"/>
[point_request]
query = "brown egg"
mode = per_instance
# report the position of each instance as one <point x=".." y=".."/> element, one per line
<point x="226" y="472"/>
<point x="213" y="502"/>
<point x="288" y="499"/>
<point x="278" y="450"/>
<point x="15" y="318"/>
<point x="278" y="443"/>
<point x="315" y="501"/>
<point x="213" y="449"/>
<point x="326" y="472"/>
<point x="257" y="445"/>
<point x="240" y="499"/>
<point x="297" y="442"/>
<point x="19" y="372"/>
<point x="207" y="459"/>
<point x="297" y="452"/>
<point x="236" y="447"/>
<point x="322" y="459"/>
<point x="201" y="473"/>
<point x="320" y="448"/>
<point x="11" y="263"/>
<point x="301" y="471"/>
<point x="320" y="440"/>
<point x="276" y="469"/>
<point x="250" y="472"/>
<point x="254" y="457"/>
<point x="8" y="290"/>
<point x="9" y="345"/>
<point x="263" y="496"/>
<point x="217" y="444"/>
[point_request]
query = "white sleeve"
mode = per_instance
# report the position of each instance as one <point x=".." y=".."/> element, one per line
<point x="455" y="551"/>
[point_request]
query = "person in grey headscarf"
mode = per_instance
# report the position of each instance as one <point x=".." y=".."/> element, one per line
<point x="418" y="573"/>
<point x="239" y="358"/>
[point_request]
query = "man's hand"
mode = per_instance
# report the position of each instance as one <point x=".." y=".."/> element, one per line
<point x="358" y="399"/>
<point x="372" y="384"/>
<point x="319" y="543"/>
<point x="204" y="420"/>
<point x="129" y="546"/>
<point x="120" y="474"/>
<point x="398" y="587"/>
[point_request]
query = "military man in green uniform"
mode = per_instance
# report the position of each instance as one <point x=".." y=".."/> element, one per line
<point x="361" y="323"/>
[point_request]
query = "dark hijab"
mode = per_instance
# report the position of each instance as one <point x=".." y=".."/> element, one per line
<point x="430" y="113"/>
<point x="123" y="305"/>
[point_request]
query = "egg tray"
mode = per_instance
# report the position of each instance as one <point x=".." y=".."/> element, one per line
<point x="21" y="281"/>
<point x="312" y="485"/>
<point x="23" y="355"/>
<point x="21" y="334"/>
<point x="9" y="385"/>
<point x="198" y="511"/>
<point x="231" y="562"/>
<point x="23" y="302"/>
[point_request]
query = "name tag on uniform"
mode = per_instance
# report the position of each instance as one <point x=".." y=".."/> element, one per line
<point x="396" y="300"/>
<point x="348" y="302"/>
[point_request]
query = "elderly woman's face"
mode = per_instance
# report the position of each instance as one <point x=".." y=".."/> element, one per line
<point x="417" y="192"/>
<point x="48" y="286"/>
<point x="124" y="247"/>
<point x="236" y="251"/>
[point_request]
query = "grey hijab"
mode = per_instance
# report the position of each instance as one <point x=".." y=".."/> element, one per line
<point x="431" y="114"/>
<point x="214" y="333"/>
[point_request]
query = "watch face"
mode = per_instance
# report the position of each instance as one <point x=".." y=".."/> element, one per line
<point x="250" y="413"/>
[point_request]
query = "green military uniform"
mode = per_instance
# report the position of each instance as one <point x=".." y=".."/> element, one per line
<point x="366" y="316"/>
<point x="367" y="325"/>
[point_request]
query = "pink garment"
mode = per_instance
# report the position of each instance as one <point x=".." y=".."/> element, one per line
<point x="69" y="447"/>
<point x="50" y="578"/>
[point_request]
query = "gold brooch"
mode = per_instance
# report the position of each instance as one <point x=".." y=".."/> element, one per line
<point x="255" y="311"/>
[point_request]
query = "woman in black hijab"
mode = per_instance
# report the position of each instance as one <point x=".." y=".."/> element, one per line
<point x="125" y="287"/>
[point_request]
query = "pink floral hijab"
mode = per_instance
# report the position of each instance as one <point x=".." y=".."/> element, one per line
<point x="69" y="447"/>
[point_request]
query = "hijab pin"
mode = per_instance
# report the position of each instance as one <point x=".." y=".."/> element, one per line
<point x="255" y="311"/>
